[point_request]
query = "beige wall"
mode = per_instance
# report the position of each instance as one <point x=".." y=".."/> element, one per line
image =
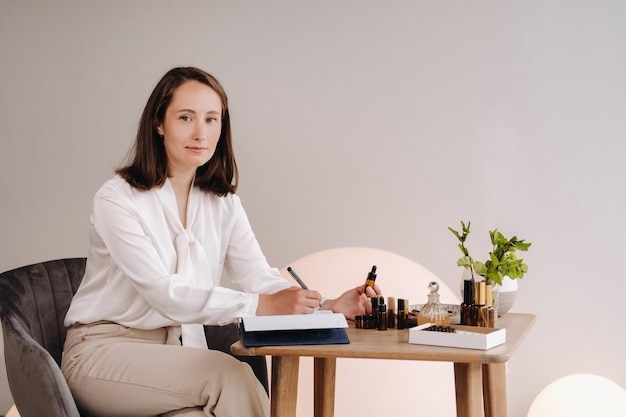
<point x="356" y="123"/>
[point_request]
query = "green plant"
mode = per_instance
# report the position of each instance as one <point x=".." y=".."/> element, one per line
<point x="502" y="259"/>
<point x="466" y="261"/>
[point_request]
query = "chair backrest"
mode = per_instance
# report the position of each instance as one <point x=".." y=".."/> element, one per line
<point x="403" y="387"/>
<point x="33" y="302"/>
<point x="39" y="295"/>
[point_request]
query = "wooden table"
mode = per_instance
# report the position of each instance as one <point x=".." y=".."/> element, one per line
<point x="480" y="376"/>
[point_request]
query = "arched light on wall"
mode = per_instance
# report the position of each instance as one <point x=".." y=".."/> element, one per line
<point x="580" y="395"/>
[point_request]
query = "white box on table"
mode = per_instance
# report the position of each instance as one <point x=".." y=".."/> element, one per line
<point x="468" y="337"/>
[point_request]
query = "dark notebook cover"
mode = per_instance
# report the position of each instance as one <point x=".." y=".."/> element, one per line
<point x="294" y="337"/>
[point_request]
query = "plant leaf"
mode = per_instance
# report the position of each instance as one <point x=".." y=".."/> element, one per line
<point x="465" y="261"/>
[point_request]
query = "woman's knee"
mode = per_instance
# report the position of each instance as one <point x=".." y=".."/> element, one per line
<point x="236" y="369"/>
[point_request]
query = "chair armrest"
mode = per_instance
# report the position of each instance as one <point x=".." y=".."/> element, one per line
<point x="31" y="369"/>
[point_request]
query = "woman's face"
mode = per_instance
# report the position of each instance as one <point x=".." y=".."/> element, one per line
<point x="192" y="127"/>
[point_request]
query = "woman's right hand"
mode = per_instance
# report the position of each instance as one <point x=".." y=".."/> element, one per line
<point x="292" y="300"/>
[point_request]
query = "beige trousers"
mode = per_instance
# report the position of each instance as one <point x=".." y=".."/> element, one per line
<point x="113" y="370"/>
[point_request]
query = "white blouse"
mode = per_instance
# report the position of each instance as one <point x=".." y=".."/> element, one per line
<point x="145" y="270"/>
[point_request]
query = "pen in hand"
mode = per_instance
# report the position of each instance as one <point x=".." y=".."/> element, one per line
<point x="298" y="279"/>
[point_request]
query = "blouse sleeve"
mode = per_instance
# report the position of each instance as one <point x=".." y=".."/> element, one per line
<point x="245" y="263"/>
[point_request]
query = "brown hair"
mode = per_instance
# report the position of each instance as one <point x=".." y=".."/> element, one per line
<point x="147" y="162"/>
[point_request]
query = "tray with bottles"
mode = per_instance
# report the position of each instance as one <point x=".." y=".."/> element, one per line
<point x="454" y="335"/>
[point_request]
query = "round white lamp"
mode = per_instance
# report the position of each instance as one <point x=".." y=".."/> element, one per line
<point x="580" y="395"/>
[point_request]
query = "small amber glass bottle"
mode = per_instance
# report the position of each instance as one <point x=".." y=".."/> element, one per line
<point x="401" y="316"/>
<point x="480" y="312"/>
<point x="382" y="317"/>
<point x="391" y="312"/>
<point x="491" y="313"/>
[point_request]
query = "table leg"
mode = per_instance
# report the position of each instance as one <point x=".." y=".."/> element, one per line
<point x="494" y="389"/>
<point x="468" y="384"/>
<point x="324" y="386"/>
<point x="284" y="386"/>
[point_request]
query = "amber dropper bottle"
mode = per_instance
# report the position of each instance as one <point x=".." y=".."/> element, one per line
<point x="371" y="278"/>
<point x="382" y="317"/>
<point x="374" y="313"/>
<point x="468" y="301"/>
<point x="400" y="317"/>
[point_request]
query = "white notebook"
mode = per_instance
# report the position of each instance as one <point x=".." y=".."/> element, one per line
<point x="323" y="319"/>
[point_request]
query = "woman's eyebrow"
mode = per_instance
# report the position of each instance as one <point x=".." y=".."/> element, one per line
<point x="194" y="112"/>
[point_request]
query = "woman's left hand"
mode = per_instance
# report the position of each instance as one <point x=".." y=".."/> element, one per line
<point x="354" y="302"/>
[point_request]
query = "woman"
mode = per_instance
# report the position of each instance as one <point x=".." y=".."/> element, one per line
<point x="164" y="231"/>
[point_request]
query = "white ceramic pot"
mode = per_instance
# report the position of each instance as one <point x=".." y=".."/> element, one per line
<point x="508" y="293"/>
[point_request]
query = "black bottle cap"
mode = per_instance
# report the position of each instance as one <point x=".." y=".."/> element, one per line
<point x="372" y="274"/>
<point x="468" y="291"/>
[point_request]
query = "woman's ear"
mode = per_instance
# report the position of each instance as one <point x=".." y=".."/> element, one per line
<point x="159" y="128"/>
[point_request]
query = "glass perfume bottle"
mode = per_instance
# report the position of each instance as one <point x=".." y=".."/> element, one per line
<point x="433" y="311"/>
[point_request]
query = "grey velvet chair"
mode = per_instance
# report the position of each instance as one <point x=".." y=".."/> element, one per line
<point x="33" y="302"/>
